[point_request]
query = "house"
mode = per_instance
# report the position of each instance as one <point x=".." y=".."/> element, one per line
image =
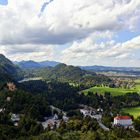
<point x="97" y="116"/>
<point x="2" y="110"/>
<point x="15" y="118"/>
<point x="100" y="110"/>
<point x="122" y="121"/>
<point x="51" y="122"/>
<point x="85" y="112"/>
<point x="8" y="99"/>
<point x="55" y="117"/>
<point x="65" y="118"/>
<point x="11" y="86"/>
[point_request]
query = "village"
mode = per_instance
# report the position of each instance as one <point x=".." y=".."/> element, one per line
<point x="86" y="111"/>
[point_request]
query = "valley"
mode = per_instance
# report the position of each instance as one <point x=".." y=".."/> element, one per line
<point x="69" y="70"/>
<point x="66" y="99"/>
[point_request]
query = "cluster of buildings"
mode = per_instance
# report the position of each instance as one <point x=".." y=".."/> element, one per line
<point x="51" y="122"/>
<point x="15" y="119"/>
<point x="119" y="120"/>
<point x="54" y="120"/>
<point x="91" y="112"/>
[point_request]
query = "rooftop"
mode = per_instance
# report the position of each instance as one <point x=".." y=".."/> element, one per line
<point x="122" y="117"/>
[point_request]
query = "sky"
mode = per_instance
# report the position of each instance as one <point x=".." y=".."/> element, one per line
<point x="75" y="32"/>
<point x="3" y="2"/>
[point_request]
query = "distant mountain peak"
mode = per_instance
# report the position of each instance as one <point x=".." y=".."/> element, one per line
<point x="33" y="64"/>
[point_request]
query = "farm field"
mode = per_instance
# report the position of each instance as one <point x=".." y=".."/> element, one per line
<point x="135" y="111"/>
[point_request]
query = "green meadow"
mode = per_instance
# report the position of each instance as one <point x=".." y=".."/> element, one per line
<point x="137" y="81"/>
<point x="135" y="111"/>
<point x="114" y="91"/>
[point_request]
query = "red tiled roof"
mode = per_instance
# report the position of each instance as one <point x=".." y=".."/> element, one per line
<point x="122" y="117"/>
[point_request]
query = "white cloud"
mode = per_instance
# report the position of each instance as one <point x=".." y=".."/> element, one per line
<point x="23" y="35"/>
<point x="64" y="21"/>
<point x="87" y="52"/>
<point x="28" y="52"/>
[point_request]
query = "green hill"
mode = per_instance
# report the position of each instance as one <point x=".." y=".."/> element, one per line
<point x="71" y="74"/>
<point x="113" y="91"/>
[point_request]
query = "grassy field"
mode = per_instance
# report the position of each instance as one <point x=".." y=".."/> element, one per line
<point x="137" y="81"/>
<point x="133" y="111"/>
<point x="137" y="86"/>
<point x="113" y="91"/>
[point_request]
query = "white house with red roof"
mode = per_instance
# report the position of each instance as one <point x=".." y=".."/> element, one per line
<point x="122" y="121"/>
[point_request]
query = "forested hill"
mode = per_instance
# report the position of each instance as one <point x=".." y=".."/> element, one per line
<point x="8" y="70"/>
<point x="71" y="74"/>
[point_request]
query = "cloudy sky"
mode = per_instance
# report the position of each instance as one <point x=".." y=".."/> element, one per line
<point x="77" y="32"/>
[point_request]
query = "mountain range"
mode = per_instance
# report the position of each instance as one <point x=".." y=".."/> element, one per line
<point x="49" y="70"/>
<point x="52" y="70"/>
<point x="32" y="64"/>
<point x="95" y="68"/>
<point x="108" y="68"/>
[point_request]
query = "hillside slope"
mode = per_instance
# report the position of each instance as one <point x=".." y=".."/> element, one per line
<point x="71" y="74"/>
<point x="8" y="70"/>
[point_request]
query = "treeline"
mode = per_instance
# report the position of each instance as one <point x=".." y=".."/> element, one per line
<point x="77" y="128"/>
<point x="86" y="129"/>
